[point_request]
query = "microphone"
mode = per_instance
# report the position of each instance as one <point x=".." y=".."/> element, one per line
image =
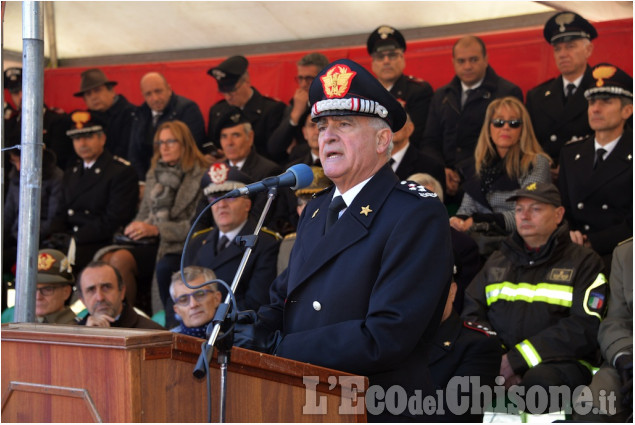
<point x="296" y="177"/>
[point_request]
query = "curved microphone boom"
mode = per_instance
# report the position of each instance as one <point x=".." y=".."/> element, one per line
<point x="296" y="177"/>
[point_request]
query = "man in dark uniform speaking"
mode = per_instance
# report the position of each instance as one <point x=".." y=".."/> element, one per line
<point x="363" y="293"/>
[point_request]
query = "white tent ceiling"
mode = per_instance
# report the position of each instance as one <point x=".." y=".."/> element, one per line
<point x="119" y="29"/>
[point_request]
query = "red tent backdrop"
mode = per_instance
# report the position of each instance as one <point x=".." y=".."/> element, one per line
<point x="521" y="56"/>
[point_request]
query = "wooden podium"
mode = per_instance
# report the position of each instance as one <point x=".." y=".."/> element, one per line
<point x="60" y="373"/>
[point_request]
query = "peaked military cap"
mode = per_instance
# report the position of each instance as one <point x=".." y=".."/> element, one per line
<point x="345" y="87"/>
<point x="565" y="26"/>
<point x="542" y="192"/>
<point x="91" y="79"/>
<point x="85" y="123"/>
<point x="220" y="177"/>
<point x="610" y="81"/>
<point x="231" y="118"/>
<point x="13" y="79"/>
<point x="385" y="38"/>
<point x="228" y="72"/>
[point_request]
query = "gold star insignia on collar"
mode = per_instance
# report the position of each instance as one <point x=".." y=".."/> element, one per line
<point x="315" y="213"/>
<point x="365" y="210"/>
<point x="447" y="343"/>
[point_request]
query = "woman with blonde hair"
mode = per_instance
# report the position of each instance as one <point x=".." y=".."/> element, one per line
<point x="169" y="202"/>
<point x="507" y="157"/>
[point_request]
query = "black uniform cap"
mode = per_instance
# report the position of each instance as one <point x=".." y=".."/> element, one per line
<point x="610" y="81"/>
<point x="13" y="79"/>
<point x="565" y="26"/>
<point x="345" y="87"/>
<point x="384" y="38"/>
<point x="228" y="72"/>
<point x="85" y="123"/>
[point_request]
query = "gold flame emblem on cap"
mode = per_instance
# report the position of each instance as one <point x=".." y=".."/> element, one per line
<point x="532" y="187"/>
<point x="564" y="19"/>
<point x="337" y="81"/>
<point x="45" y="261"/>
<point x="602" y="72"/>
<point x="80" y="118"/>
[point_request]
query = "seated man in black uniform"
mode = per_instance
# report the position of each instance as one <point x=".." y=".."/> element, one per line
<point x="218" y="249"/>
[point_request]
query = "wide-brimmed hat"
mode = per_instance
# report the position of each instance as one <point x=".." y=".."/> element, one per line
<point x="93" y="78"/>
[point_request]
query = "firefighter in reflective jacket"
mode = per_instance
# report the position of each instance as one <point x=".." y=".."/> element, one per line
<point x="543" y="295"/>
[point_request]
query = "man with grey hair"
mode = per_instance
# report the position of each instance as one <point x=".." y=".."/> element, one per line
<point x="370" y="269"/>
<point x="287" y="142"/>
<point x="194" y="308"/>
<point x="557" y="107"/>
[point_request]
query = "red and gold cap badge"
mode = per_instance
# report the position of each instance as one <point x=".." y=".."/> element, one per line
<point x="80" y="118"/>
<point x="45" y="261"/>
<point x="218" y="172"/>
<point x="337" y="81"/>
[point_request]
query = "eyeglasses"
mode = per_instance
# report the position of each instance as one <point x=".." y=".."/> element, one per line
<point x="184" y="300"/>
<point x="304" y="78"/>
<point x="498" y="123"/>
<point x="378" y="56"/>
<point x="169" y="143"/>
<point x="46" y="291"/>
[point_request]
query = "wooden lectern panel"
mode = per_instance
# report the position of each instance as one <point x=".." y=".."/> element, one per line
<point x="63" y="373"/>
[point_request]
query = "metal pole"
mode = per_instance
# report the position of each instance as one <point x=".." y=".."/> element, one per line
<point x="31" y="159"/>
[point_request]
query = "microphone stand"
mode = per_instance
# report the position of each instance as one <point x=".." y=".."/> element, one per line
<point x="224" y="347"/>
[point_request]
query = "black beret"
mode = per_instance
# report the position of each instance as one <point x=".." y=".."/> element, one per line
<point x="13" y="79"/>
<point x="610" y="81"/>
<point x="385" y="37"/>
<point x="85" y="122"/>
<point x="220" y="177"/>
<point x="228" y="72"/>
<point x="345" y="87"/>
<point x="231" y="118"/>
<point x="565" y="26"/>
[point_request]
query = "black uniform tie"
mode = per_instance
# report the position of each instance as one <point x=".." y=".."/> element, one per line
<point x="570" y="90"/>
<point x="337" y="205"/>
<point x="599" y="157"/>
<point x="222" y="243"/>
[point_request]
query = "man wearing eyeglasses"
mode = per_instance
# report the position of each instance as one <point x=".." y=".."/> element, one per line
<point x="234" y="83"/>
<point x="195" y="308"/>
<point x="386" y="45"/>
<point x="161" y="105"/>
<point x="287" y="143"/>
<point x="54" y="288"/>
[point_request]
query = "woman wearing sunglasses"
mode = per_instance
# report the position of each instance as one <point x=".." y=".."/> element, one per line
<point x="507" y="157"/>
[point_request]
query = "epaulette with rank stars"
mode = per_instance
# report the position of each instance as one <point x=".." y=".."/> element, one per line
<point x="416" y="189"/>
<point x="479" y="328"/>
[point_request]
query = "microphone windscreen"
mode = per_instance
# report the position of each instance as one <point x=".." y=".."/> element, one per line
<point x="303" y="175"/>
